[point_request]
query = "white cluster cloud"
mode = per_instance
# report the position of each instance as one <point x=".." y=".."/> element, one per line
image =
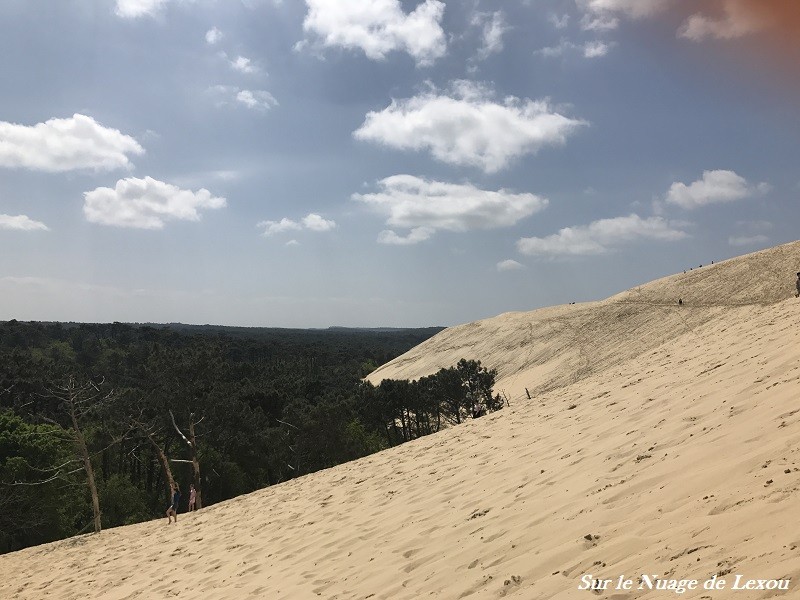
<point x="600" y="236"/>
<point x="273" y="227"/>
<point x="146" y="204"/>
<point x="715" y="187"/>
<point x="21" y="223"/>
<point x="415" y="236"/>
<point x="312" y="222"/>
<point x="60" y="145"/>
<point x="243" y="65"/>
<point x="213" y="36"/>
<point x="133" y="9"/>
<point x="226" y="95"/>
<point x="595" y="49"/>
<point x="378" y="27"/>
<point x="423" y="207"/>
<point x="256" y="99"/>
<point x="467" y="127"/>
<point x="509" y="265"/>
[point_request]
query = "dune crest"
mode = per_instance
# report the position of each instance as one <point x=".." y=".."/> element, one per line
<point x="551" y="347"/>
<point x="661" y="440"/>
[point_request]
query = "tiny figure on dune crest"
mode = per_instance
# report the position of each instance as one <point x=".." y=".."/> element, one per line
<point x="192" y="497"/>
<point x="172" y="511"/>
<point x="797" y="285"/>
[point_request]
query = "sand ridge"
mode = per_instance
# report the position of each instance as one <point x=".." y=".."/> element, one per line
<point x="681" y="458"/>
<point x="551" y="347"/>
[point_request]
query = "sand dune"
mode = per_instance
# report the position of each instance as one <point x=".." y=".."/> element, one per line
<point x="661" y="440"/>
<point x="551" y="347"/>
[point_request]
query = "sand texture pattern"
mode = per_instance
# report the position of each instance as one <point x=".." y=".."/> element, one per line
<point x="660" y="439"/>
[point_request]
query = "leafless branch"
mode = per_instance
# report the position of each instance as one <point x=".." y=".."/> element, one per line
<point x="180" y="433"/>
<point x="32" y="483"/>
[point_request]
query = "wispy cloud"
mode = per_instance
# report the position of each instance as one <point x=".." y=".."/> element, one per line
<point x="21" y="223"/>
<point x="752" y="233"/>
<point x="726" y="20"/>
<point x="558" y="21"/>
<point x="60" y="145"/>
<point x="494" y="27"/>
<point x="146" y="204"/>
<point x="592" y="49"/>
<point x="466" y="126"/>
<point x="228" y="95"/>
<point x="600" y="236"/>
<point x="738" y="19"/>
<point x="748" y="240"/>
<point x="256" y="99"/>
<point x="600" y="15"/>
<point x="311" y="222"/>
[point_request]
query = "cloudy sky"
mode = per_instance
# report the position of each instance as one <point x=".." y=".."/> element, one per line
<point x="384" y="162"/>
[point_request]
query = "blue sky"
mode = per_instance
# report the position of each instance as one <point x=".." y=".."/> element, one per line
<point x="381" y="163"/>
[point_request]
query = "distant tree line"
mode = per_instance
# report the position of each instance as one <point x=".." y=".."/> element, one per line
<point x="96" y="421"/>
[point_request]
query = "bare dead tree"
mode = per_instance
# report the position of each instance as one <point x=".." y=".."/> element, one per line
<point x="292" y="449"/>
<point x="149" y="431"/>
<point x="77" y="399"/>
<point x="191" y="442"/>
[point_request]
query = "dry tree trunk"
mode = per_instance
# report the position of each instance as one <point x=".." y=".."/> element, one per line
<point x="195" y="465"/>
<point x="80" y="442"/>
<point x="162" y="458"/>
<point x="191" y="441"/>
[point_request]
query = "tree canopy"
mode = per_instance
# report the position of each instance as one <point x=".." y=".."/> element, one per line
<point x="229" y="409"/>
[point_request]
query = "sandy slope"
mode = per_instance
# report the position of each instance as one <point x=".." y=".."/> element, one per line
<point x="676" y="448"/>
<point x="550" y="347"/>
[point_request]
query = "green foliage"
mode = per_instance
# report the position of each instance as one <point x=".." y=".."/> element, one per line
<point x="35" y="505"/>
<point x="410" y="409"/>
<point x="268" y="405"/>
<point x="122" y="501"/>
<point x="241" y="385"/>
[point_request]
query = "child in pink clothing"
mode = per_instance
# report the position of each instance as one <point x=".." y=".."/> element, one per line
<point x="192" y="497"/>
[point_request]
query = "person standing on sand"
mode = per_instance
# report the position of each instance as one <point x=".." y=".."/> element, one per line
<point x="172" y="511"/>
<point x="476" y="410"/>
<point x="192" y="497"/>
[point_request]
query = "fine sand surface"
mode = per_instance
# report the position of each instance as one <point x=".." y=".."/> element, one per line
<point x="669" y="435"/>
